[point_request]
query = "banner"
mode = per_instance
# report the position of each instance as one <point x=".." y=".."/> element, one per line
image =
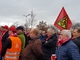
<point x="63" y="21"/>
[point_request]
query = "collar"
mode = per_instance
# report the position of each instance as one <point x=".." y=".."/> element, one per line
<point x="13" y="34"/>
<point x="61" y="42"/>
<point x="35" y="38"/>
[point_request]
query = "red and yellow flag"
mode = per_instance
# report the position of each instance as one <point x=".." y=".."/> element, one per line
<point x="63" y="21"/>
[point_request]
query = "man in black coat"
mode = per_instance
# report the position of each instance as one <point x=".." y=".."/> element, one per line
<point x="49" y="45"/>
<point x="5" y="33"/>
<point x="77" y="40"/>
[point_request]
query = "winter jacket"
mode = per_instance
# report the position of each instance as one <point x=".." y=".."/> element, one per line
<point x="13" y="53"/>
<point x="49" y="47"/>
<point x="5" y="36"/>
<point x="68" y="51"/>
<point x="33" y="51"/>
<point x="6" y="44"/>
<point x="22" y="37"/>
<point x="43" y="37"/>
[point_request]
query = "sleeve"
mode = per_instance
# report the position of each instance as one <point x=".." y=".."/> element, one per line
<point x="5" y="46"/>
<point x="37" y="51"/>
<point x="73" y="52"/>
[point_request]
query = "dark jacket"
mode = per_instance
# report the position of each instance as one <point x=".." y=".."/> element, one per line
<point x="26" y="40"/>
<point x="49" y="47"/>
<point x="68" y="51"/>
<point x="77" y="41"/>
<point x="5" y="36"/>
<point x="43" y="37"/>
<point x="6" y="44"/>
<point x="33" y="51"/>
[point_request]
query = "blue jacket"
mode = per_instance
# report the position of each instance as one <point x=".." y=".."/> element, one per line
<point x="43" y="37"/>
<point x="68" y="51"/>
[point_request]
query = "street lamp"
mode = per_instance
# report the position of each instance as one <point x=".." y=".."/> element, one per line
<point x="27" y="22"/>
<point x="27" y="15"/>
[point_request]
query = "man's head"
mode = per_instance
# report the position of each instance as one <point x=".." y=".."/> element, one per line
<point x="34" y="33"/>
<point x="43" y="33"/>
<point x="12" y="29"/>
<point x="5" y="28"/>
<point x="65" y="34"/>
<point x="20" y="29"/>
<point x="76" y="32"/>
<point x="28" y="30"/>
<point x="50" y="32"/>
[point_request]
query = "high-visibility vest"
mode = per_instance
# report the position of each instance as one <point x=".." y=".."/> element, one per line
<point x="14" y="52"/>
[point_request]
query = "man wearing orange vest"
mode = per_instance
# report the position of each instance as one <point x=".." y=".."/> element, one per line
<point x="12" y="46"/>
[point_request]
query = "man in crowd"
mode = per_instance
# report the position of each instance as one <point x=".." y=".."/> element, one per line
<point x="12" y="45"/>
<point x="20" y="32"/>
<point x="43" y="35"/>
<point x="77" y="39"/>
<point x="28" y="33"/>
<point x="74" y="34"/>
<point x="5" y="33"/>
<point x="67" y="49"/>
<point x="33" y="50"/>
<point x="49" y="45"/>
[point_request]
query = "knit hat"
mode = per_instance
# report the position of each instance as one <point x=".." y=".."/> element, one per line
<point x="12" y="28"/>
<point x="6" y="27"/>
<point x="20" y="28"/>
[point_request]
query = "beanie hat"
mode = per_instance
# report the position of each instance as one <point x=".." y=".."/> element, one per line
<point x="12" y="28"/>
<point x="20" y="28"/>
<point x="6" y="27"/>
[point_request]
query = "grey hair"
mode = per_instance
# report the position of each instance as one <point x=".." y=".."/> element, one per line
<point x="50" y="29"/>
<point x="67" y="32"/>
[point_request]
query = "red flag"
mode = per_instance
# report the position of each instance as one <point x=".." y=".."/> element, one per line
<point x="63" y="21"/>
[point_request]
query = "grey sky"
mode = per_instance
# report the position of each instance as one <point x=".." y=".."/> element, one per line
<point x="46" y="10"/>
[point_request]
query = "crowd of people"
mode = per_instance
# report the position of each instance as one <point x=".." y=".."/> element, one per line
<point x="17" y="43"/>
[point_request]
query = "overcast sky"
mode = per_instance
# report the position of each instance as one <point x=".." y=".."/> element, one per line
<point x="46" y="10"/>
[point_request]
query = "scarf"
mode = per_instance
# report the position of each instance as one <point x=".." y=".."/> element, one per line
<point x="14" y="34"/>
<point x="60" y="42"/>
<point x="48" y="38"/>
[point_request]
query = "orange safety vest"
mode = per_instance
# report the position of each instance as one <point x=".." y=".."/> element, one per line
<point x="14" y="52"/>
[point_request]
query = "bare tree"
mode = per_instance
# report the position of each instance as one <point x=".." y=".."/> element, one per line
<point x="75" y="25"/>
<point x="42" y="26"/>
<point x="15" y="24"/>
<point x="30" y="20"/>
